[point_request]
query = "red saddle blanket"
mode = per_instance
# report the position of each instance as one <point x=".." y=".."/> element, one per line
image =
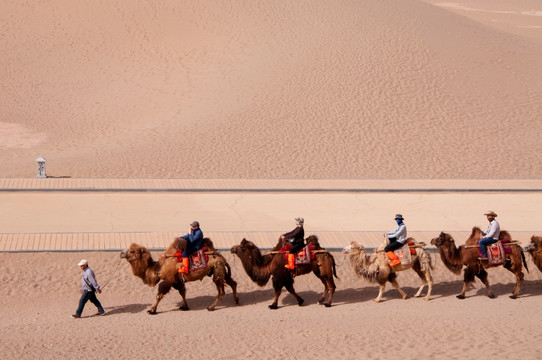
<point x="412" y="250"/>
<point x="303" y="257"/>
<point x="197" y="260"/>
<point x="496" y="252"/>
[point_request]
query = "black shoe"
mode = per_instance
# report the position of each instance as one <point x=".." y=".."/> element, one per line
<point x="75" y="316"/>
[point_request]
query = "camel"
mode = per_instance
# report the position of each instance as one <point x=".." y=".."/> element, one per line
<point x="467" y="255"/>
<point x="262" y="267"/>
<point x="535" y="249"/>
<point x="164" y="272"/>
<point x="376" y="269"/>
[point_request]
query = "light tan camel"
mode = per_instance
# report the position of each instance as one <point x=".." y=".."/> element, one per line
<point x="164" y="273"/>
<point x="376" y="269"/>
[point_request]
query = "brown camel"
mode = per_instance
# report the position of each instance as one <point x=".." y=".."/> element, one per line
<point x="376" y="269"/>
<point x="467" y="255"/>
<point x="535" y="249"/>
<point x="262" y="267"/>
<point x="164" y="272"/>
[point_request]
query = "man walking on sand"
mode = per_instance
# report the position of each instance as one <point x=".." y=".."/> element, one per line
<point x="90" y="287"/>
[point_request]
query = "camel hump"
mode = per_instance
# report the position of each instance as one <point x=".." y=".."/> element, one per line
<point x="475" y="230"/>
<point x="208" y="243"/>
<point x="313" y="240"/>
<point x="505" y="235"/>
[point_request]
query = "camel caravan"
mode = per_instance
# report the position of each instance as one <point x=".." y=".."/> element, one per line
<point x="194" y="257"/>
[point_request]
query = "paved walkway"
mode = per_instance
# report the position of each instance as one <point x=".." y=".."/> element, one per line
<point x="116" y="241"/>
<point x="42" y="242"/>
<point x="282" y="185"/>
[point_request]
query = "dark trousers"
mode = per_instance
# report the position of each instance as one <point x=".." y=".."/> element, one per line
<point x="297" y="246"/>
<point x="483" y="243"/>
<point x="192" y="248"/>
<point x="393" y="245"/>
<point x="86" y="296"/>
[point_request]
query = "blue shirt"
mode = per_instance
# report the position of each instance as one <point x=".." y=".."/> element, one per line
<point x="194" y="241"/>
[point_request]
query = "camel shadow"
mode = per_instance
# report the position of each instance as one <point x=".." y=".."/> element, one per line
<point x="122" y="309"/>
<point x="528" y="289"/>
<point x="453" y="288"/>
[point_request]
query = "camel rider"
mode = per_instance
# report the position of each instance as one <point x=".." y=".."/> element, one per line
<point x="491" y="235"/>
<point x="194" y="242"/>
<point x="297" y="238"/>
<point x="397" y="238"/>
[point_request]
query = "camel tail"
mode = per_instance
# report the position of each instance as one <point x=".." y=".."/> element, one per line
<point x="229" y="269"/>
<point x="333" y="265"/>
<point x="523" y="258"/>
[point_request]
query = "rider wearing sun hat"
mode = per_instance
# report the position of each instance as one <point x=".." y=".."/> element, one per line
<point x="297" y="238"/>
<point x="491" y="235"/>
<point x="397" y="238"/>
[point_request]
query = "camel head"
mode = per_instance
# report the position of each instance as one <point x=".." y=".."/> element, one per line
<point x="138" y="256"/>
<point x="142" y="264"/>
<point x="536" y="243"/>
<point x="353" y="247"/>
<point x="244" y="247"/>
<point x="443" y="240"/>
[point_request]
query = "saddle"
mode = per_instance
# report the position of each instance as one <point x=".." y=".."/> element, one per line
<point x="405" y="252"/>
<point x="303" y="256"/>
<point x="197" y="260"/>
<point x="496" y="252"/>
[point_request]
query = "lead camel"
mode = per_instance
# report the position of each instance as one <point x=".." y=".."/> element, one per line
<point x="466" y="257"/>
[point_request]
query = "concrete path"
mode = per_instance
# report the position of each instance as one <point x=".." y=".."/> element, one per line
<point x="108" y="214"/>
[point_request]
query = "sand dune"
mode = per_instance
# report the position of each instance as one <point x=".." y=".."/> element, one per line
<point x="369" y="89"/>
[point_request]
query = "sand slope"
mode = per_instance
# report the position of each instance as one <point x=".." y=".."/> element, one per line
<point x="309" y="89"/>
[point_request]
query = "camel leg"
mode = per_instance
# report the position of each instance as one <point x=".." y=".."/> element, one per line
<point x="468" y="277"/>
<point x="482" y="275"/>
<point x="233" y="284"/>
<point x="277" y="286"/>
<point x="288" y="283"/>
<point x="427" y="279"/>
<point x="274" y="305"/>
<point x="519" y="278"/>
<point x="331" y="288"/>
<point x="324" y="294"/>
<point x="291" y="290"/>
<point x="182" y="291"/>
<point x="396" y="285"/>
<point x="163" y="289"/>
<point x="381" y="288"/>
<point x="219" y="282"/>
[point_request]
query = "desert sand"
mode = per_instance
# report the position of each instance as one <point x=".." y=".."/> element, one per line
<point x="242" y="89"/>
<point x="365" y="89"/>
<point x="41" y="290"/>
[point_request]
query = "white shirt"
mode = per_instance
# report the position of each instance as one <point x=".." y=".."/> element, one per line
<point x="493" y="230"/>
<point x="399" y="233"/>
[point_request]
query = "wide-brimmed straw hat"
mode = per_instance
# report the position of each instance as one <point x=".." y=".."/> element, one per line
<point x="492" y="213"/>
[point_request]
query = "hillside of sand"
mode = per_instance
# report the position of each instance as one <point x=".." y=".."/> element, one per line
<point x="282" y="89"/>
